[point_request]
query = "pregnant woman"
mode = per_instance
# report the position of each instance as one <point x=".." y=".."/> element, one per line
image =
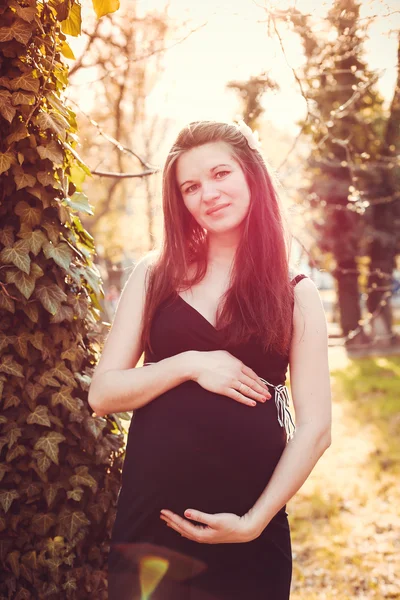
<point x="213" y="455"/>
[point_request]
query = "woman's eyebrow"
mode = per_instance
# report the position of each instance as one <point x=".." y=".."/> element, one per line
<point x="211" y="170"/>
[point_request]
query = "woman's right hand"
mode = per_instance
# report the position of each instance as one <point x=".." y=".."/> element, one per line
<point x="220" y="372"/>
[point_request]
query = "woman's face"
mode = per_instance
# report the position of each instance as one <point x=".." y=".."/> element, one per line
<point x="210" y="178"/>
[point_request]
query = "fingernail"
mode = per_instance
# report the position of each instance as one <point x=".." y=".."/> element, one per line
<point x="253" y="403"/>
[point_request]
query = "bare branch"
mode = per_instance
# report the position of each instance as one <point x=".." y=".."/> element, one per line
<point x="125" y="175"/>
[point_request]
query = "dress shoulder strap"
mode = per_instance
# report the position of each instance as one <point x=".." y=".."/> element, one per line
<point x="298" y="278"/>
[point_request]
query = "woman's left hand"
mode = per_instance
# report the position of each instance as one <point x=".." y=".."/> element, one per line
<point x="220" y="528"/>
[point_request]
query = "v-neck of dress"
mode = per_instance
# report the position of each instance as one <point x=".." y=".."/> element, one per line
<point x="198" y="313"/>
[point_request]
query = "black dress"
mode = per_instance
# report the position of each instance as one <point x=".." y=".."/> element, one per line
<point x="190" y="448"/>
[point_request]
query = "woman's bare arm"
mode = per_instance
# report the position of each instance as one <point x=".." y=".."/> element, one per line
<point x="117" y="386"/>
<point x="310" y="386"/>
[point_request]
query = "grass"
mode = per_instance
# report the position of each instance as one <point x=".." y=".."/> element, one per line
<point x="345" y="520"/>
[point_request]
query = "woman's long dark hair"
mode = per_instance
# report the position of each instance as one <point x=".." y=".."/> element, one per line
<point x="259" y="301"/>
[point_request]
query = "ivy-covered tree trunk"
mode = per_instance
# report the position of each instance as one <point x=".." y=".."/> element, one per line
<point x="59" y="466"/>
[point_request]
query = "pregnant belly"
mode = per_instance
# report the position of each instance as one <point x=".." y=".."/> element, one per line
<point x="197" y="446"/>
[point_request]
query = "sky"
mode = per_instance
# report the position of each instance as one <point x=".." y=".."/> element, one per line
<point x="233" y="44"/>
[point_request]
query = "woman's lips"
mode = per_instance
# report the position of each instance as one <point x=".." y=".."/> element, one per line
<point x="217" y="209"/>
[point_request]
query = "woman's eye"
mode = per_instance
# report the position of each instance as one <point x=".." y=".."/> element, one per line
<point x="223" y="173"/>
<point x="190" y="189"/>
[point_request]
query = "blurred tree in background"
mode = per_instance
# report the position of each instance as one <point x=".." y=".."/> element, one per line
<point x="353" y="214"/>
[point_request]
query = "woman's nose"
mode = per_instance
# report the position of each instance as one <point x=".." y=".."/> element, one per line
<point x="210" y="192"/>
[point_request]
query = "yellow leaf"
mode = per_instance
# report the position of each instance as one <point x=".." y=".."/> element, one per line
<point x="72" y="25"/>
<point x="66" y="50"/>
<point x="104" y="7"/>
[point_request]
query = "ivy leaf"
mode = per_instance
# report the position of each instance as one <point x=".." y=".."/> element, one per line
<point x="70" y="522"/>
<point x="28" y="13"/>
<point x="54" y="121"/>
<point x="22" y="98"/>
<point x="21" y="343"/>
<point x="8" y="110"/>
<point x="104" y="7"/>
<point x="24" y="282"/>
<point x="42" y="522"/>
<point x="12" y="400"/>
<point x="49" y="444"/>
<point x="50" y="295"/>
<point x="22" y="179"/>
<point x="7" y="303"/>
<point x="36" y="339"/>
<point x="64" y="374"/>
<point x="64" y="313"/>
<point x="52" y="151"/>
<point x="35" y="239"/>
<point x="32" y="311"/>
<point x="7" y="236"/>
<point x="25" y="82"/>
<point x="6" y="160"/>
<point x="51" y="491"/>
<point x="40" y="416"/>
<point x="20" y="132"/>
<point x="61" y="254"/>
<point x="95" y="426"/>
<point x="82" y="477"/>
<point x="17" y="255"/>
<point x="19" y="31"/>
<point x="74" y="405"/>
<point x="15" y="452"/>
<point x="46" y="178"/>
<point x="4" y="469"/>
<point x="30" y="215"/>
<point x="72" y="24"/>
<point x="76" y="494"/>
<point x="7" y="497"/>
<point x="43" y="462"/>
<point x="13" y="435"/>
<point x="67" y="51"/>
<point x="80" y="202"/>
<point x="10" y="367"/>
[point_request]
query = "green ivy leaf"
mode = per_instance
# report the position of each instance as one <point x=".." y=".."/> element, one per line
<point x="42" y="460"/>
<point x="52" y="151"/>
<point x="24" y="282"/>
<point x="49" y="444"/>
<point x="21" y="178"/>
<point x="54" y="121"/>
<point x="20" y="132"/>
<point x="61" y="254"/>
<point x="74" y="405"/>
<point x="30" y="215"/>
<point x="50" y="295"/>
<point x="17" y="255"/>
<point x="76" y="494"/>
<point x="7" y="497"/>
<point x="82" y="477"/>
<point x="9" y="366"/>
<point x="79" y="202"/>
<point x="51" y="491"/>
<point x="40" y="416"/>
<point x="70" y="522"/>
<point x="6" y="160"/>
<point x="42" y="522"/>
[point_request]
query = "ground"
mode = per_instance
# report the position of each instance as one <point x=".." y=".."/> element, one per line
<point x="345" y="520"/>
